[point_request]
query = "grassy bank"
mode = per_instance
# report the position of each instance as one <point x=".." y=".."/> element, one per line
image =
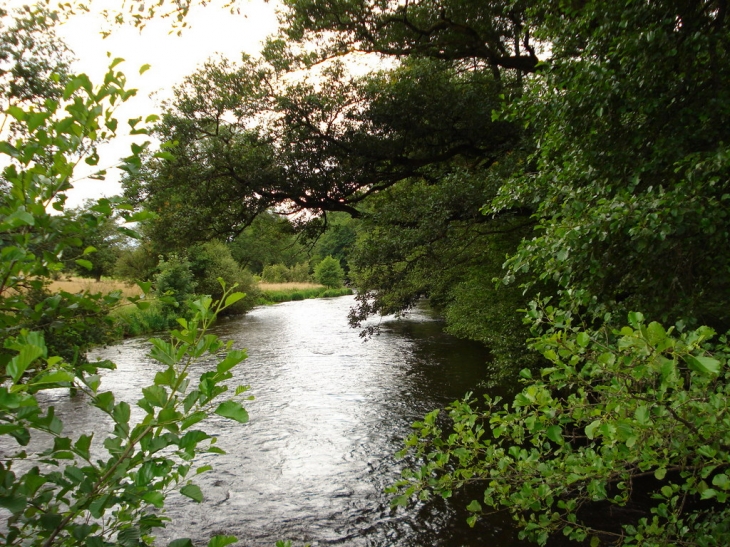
<point x="273" y="293"/>
<point x="131" y="321"/>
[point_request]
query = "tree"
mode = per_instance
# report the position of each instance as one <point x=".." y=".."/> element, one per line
<point x="212" y="262"/>
<point x="636" y="412"/>
<point x="629" y="182"/>
<point x="305" y="146"/>
<point x="329" y="273"/>
<point x="60" y="490"/>
<point x="270" y="239"/>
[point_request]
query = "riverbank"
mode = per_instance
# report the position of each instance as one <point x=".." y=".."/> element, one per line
<point x="127" y="320"/>
<point x="274" y="293"/>
<point x="131" y="321"/>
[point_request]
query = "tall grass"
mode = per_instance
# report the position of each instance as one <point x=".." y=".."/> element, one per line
<point x="75" y="285"/>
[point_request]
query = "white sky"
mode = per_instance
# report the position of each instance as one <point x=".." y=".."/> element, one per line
<point x="212" y="31"/>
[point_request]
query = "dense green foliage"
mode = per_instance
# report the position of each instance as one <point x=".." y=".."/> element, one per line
<point x="329" y="273"/>
<point x="640" y="412"/>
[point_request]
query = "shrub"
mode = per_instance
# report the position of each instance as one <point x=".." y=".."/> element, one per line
<point x="641" y="410"/>
<point x="329" y="272"/>
<point x="175" y="280"/>
<point x="107" y="487"/>
<point x="212" y="262"/>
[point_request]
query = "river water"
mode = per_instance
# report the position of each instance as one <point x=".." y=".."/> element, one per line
<point x="330" y="410"/>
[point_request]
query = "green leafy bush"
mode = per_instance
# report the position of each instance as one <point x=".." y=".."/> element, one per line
<point x="280" y="273"/>
<point x="329" y="272"/>
<point x="175" y="281"/>
<point x="618" y="412"/>
<point x="211" y="262"/>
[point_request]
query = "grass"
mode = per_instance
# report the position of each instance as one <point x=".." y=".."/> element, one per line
<point x="75" y="285"/>
<point x="273" y="293"/>
<point x="288" y="286"/>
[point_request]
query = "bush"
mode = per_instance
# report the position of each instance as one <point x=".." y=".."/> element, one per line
<point x="279" y="273"/>
<point x="641" y="410"/>
<point x="329" y="272"/>
<point x="212" y="262"/>
<point x="275" y="273"/>
<point x="175" y="280"/>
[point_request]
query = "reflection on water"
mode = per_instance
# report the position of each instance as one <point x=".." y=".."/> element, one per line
<point x="329" y="413"/>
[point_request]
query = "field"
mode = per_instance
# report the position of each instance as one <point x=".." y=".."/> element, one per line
<point x="78" y="284"/>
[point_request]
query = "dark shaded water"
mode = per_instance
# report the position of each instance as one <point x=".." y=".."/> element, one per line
<point x="329" y="413"/>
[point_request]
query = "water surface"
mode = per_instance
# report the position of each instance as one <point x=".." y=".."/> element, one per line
<point x="329" y="412"/>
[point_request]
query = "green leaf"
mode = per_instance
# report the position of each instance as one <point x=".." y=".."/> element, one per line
<point x="221" y="541"/>
<point x="185" y="542"/>
<point x="474" y="506"/>
<point x="232" y="410"/>
<point x="57" y="377"/>
<point x="20" y="363"/>
<point x="84" y="263"/>
<point x="591" y="428"/>
<point x="129" y="537"/>
<point x="14" y="503"/>
<point x="555" y="434"/>
<point x="583" y="339"/>
<point x="193" y="419"/>
<point x="16" y="112"/>
<point x="233" y="298"/>
<point x="155" y="395"/>
<point x="703" y="365"/>
<point x="193" y="492"/>
<point x="154" y="498"/>
<point x="231" y="360"/>
<point x="642" y="414"/>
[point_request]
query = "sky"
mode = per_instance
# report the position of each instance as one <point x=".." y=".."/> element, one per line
<point x="212" y="31"/>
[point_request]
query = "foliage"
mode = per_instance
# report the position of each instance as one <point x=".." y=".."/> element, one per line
<point x="138" y="263"/>
<point x="103" y="238"/>
<point x="337" y="239"/>
<point x="211" y="262"/>
<point x="132" y="321"/>
<point x="270" y="239"/>
<point x="245" y="141"/>
<point x="283" y="295"/>
<point x="592" y="136"/>
<point x="63" y="490"/>
<point x="279" y="273"/>
<point x="78" y="497"/>
<point x="34" y="63"/>
<point x="329" y="273"/>
<point x="175" y="280"/>
<point x="631" y="177"/>
<point x="616" y="414"/>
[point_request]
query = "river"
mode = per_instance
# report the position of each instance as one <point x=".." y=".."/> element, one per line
<point x="330" y="410"/>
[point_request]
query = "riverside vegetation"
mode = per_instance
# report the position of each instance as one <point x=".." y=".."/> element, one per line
<point x="568" y="159"/>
